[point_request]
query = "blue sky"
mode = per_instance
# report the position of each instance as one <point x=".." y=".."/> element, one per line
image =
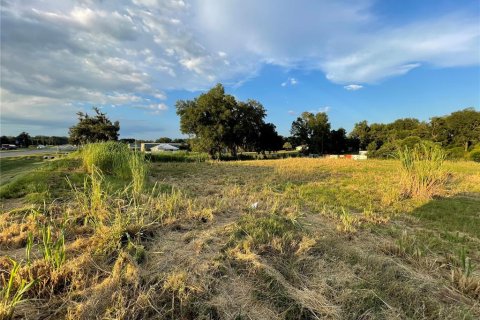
<point x="355" y="60"/>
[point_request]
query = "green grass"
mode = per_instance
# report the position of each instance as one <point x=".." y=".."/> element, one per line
<point x="177" y="156"/>
<point x="457" y="214"/>
<point x="14" y="166"/>
<point x="42" y="183"/>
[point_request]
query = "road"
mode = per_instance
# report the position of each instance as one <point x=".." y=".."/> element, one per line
<point x="19" y="153"/>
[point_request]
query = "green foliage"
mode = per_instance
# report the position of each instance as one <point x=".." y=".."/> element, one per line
<point x="475" y="155"/>
<point x="93" y="128"/>
<point x="459" y="130"/>
<point x="313" y="130"/>
<point x="218" y="122"/>
<point x="456" y="153"/>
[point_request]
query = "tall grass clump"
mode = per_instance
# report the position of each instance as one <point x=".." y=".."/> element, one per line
<point x="139" y="171"/>
<point x="109" y="157"/>
<point x="114" y="158"/>
<point x="423" y="175"/>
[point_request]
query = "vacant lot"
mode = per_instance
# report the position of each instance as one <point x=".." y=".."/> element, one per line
<point x="266" y="239"/>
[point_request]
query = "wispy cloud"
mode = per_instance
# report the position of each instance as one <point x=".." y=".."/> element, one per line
<point x="321" y="109"/>
<point x="353" y="87"/>
<point x="292" y="113"/>
<point x="153" y="108"/>
<point x="290" y="81"/>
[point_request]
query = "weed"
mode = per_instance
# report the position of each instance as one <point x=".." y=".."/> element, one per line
<point x="348" y="222"/>
<point x="53" y="250"/>
<point x="10" y="296"/>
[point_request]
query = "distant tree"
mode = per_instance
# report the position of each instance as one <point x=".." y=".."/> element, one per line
<point x="24" y="139"/>
<point x="269" y="139"/>
<point x="93" y="128"/>
<point x="337" y="142"/>
<point x="313" y="130"/>
<point x="361" y="131"/>
<point x="464" y="127"/>
<point x="164" y="140"/>
<point x="128" y="140"/>
<point x="7" y="140"/>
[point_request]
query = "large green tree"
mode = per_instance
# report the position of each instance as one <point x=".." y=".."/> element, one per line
<point x="93" y="128"/>
<point x="216" y="121"/>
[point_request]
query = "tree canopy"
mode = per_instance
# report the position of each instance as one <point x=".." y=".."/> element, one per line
<point x="216" y="121"/>
<point x="93" y="128"/>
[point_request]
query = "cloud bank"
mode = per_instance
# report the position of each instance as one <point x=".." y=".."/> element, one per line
<point x="60" y="56"/>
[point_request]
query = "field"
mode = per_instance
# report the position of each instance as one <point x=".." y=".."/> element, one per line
<point x="291" y="238"/>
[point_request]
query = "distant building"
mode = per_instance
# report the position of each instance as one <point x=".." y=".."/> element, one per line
<point x="163" y="147"/>
<point x="147" y="146"/>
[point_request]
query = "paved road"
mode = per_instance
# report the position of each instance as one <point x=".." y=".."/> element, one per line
<point x="7" y="154"/>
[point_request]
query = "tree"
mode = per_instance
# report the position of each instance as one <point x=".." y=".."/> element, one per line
<point x="216" y="121"/>
<point x="93" y="128"/>
<point x="464" y="127"/>
<point x="337" y="142"/>
<point x="269" y="139"/>
<point x="163" y="140"/>
<point x="313" y="130"/>
<point x="24" y="139"/>
<point x="361" y="132"/>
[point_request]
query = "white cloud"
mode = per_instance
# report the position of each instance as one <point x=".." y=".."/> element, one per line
<point x="321" y="109"/>
<point x="353" y="87"/>
<point x="131" y="53"/>
<point x="154" y="108"/>
<point x="292" y="113"/>
<point x="290" y="81"/>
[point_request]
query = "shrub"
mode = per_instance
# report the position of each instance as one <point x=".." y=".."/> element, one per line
<point x="456" y="153"/>
<point x="474" y="155"/>
<point x="423" y="174"/>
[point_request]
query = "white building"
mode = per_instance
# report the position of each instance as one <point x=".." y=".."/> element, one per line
<point x="163" y="147"/>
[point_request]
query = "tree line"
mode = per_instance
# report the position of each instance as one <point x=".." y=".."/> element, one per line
<point x="218" y="123"/>
<point x="25" y="140"/>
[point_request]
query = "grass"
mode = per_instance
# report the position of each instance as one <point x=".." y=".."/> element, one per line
<point x="293" y="238"/>
<point x="423" y="174"/>
<point x="12" y="167"/>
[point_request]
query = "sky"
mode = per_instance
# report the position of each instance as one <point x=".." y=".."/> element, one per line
<point x="353" y="59"/>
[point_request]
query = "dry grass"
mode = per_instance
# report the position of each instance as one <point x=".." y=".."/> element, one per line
<point x="273" y="239"/>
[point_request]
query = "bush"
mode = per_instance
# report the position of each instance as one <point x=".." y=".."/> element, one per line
<point x="423" y="174"/>
<point x="456" y="153"/>
<point x="474" y="155"/>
